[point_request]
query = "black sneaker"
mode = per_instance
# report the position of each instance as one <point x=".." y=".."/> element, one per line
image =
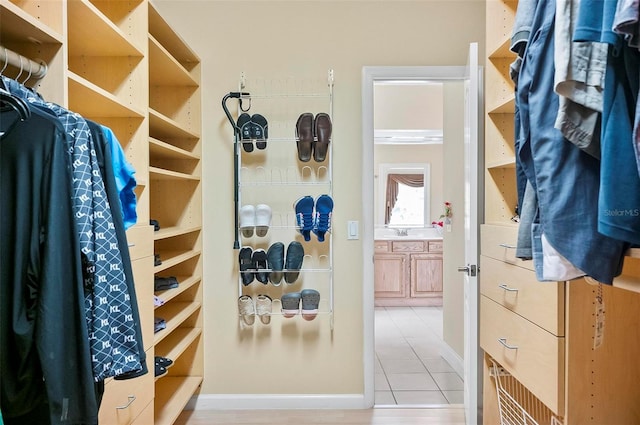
<point x="163" y="361"/>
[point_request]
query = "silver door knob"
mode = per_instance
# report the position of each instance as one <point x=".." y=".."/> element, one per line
<point x="464" y="269"/>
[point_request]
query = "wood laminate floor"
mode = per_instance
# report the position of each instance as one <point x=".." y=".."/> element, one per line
<point x="377" y="416"/>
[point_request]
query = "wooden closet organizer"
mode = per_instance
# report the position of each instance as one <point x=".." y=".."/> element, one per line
<point x="540" y="335"/>
<point x="118" y="63"/>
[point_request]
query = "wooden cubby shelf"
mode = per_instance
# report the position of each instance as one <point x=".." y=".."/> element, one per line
<point x="163" y="127"/>
<point x="176" y="343"/>
<point x="94" y="101"/>
<point x="186" y="282"/>
<point x="20" y="26"/>
<point x="173" y="258"/>
<point x="170" y="71"/>
<point x="172" y="394"/>
<point x="175" y="313"/>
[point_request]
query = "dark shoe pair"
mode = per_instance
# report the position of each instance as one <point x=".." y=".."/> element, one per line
<point x="253" y="127"/>
<point x="289" y="268"/>
<point x="161" y="365"/>
<point x="313" y="136"/>
<point x="253" y="265"/>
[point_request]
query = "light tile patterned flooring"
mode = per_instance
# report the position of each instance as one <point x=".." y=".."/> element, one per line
<point x="409" y="368"/>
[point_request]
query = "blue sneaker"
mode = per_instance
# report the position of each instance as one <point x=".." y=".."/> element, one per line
<point x="322" y="216"/>
<point x="304" y="216"/>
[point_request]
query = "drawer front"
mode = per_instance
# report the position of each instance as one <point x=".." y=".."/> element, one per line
<point x="143" y="278"/>
<point x="435" y="246"/>
<point x="140" y="240"/>
<point x="408" y="246"/>
<point x="381" y="246"/>
<point x="518" y="290"/>
<point x="532" y="355"/>
<point x="146" y="417"/>
<point x="499" y="242"/>
<point x="123" y="401"/>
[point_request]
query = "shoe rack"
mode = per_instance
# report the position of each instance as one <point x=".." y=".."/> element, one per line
<point x="276" y="177"/>
<point x="540" y="360"/>
<point x="119" y="64"/>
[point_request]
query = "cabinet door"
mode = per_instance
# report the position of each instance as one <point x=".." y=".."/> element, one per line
<point x="391" y="275"/>
<point x="426" y="275"/>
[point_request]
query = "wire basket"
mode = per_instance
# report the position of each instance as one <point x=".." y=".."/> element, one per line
<point x="516" y="404"/>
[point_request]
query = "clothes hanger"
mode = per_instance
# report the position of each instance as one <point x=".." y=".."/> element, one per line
<point x="19" y="105"/>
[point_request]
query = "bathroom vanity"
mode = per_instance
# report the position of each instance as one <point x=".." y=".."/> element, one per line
<point x="408" y="269"/>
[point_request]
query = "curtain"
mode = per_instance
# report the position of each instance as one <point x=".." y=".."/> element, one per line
<point x="393" y="181"/>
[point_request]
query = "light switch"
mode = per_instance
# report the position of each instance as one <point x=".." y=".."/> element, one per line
<point x="352" y="230"/>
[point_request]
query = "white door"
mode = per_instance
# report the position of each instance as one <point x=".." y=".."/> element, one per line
<point x="472" y="215"/>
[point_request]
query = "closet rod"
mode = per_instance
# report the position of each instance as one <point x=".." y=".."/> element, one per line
<point x="34" y="69"/>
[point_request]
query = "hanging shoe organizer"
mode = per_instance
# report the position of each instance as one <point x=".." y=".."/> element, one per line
<point x="283" y="148"/>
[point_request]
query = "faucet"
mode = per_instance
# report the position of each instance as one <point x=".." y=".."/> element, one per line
<point x="402" y="231"/>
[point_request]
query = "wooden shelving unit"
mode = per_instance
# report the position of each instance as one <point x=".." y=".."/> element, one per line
<point x="175" y="168"/>
<point x="119" y="63"/>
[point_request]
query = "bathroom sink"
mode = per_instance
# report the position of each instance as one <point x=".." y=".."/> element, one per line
<point x="395" y="234"/>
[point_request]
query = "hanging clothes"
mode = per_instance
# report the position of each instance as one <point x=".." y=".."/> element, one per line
<point x="565" y="178"/>
<point x="45" y="362"/>
<point x="114" y="349"/>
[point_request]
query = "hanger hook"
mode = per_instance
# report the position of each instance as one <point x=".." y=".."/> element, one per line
<point x="21" y="68"/>
<point x="242" y="109"/>
<point x="6" y="60"/>
<point x="30" y="73"/>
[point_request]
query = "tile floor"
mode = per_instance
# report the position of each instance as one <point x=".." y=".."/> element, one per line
<point x="409" y="369"/>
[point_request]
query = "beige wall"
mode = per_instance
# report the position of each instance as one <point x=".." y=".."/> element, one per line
<point x="304" y="39"/>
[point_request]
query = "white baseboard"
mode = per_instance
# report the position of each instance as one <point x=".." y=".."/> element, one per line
<point x="275" y="401"/>
<point x="453" y="359"/>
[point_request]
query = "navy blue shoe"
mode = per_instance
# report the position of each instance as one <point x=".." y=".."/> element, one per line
<point x="246" y="265"/>
<point x="293" y="263"/>
<point x="275" y="261"/>
<point x="304" y="216"/>
<point x="322" y="216"/>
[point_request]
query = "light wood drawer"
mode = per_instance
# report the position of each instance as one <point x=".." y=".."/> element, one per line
<point x="532" y="355"/>
<point x="143" y="278"/>
<point x="407" y="246"/>
<point x="140" y="240"/>
<point x="123" y="401"/>
<point x="435" y="246"/>
<point x="499" y="242"/>
<point x="381" y="246"/>
<point x="146" y="417"/>
<point x="518" y="290"/>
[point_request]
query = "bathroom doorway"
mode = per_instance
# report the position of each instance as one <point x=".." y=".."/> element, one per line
<point x="417" y="348"/>
<point x="414" y="364"/>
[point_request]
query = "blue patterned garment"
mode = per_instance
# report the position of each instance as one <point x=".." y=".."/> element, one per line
<point x="112" y="335"/>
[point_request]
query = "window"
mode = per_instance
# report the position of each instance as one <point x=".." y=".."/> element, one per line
<point x="403" y="195"/>
<point x="409" y="206"/>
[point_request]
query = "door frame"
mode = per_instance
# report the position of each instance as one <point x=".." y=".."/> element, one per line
<point x="371" y="74"/>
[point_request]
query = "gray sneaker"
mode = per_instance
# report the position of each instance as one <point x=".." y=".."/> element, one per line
<point x="290" y="304"/>
<point x="275" y="261"/>
<point x="310" y="303"/>
<point x="295" y="256"/>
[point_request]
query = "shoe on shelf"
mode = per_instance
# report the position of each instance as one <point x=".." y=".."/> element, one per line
<point x="304" y="136"/>
<point x="259" y="130"/>
<point x="262" y="219"/>
<point x="322" y="136"/>
<point x="247" y="220"/>
<point x="290" y="304"/>
<point x="159" y="370"/>
<point x="259" y="260"/>
<point x="163" y="361"/>
<point x="293" y="262"/>
<point x="322" y="216"/>
<point x="247" y="310"/>
<point x="263" y="308"/>
<point x="244" y="127"/>
<point x="310" y="303"/>
<point x="246" y="265"/>
<point x="304" y="216"/>
<point x="275" y="261"/>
